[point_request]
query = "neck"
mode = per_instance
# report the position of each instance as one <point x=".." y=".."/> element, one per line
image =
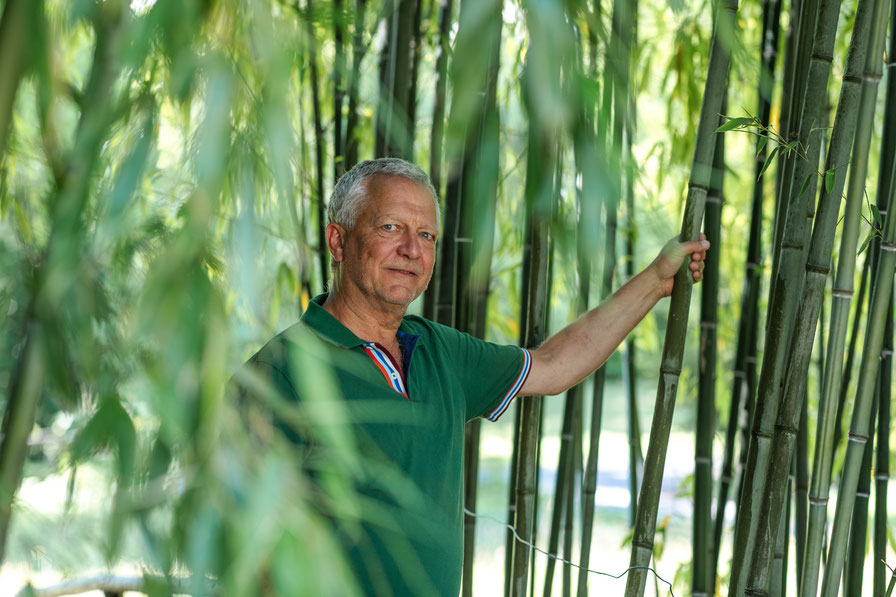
<point x="364" y="320"/>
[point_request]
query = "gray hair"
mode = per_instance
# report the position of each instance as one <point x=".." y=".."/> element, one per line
<point x="350" y="192"/>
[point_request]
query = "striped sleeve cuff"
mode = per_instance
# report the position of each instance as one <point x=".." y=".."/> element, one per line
<point x="514" y="388"/>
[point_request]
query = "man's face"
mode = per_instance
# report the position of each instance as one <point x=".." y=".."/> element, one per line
<point x="389" y="255"/>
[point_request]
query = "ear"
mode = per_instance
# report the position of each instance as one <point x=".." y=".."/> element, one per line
<point x="335" y="240"/>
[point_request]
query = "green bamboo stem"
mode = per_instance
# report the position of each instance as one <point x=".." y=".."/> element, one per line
<point x="702" y="582"/>
<point x="787" y="282"/>
<point x="885" y="382"/>
<point x="882" y="460"/>
<point x="789" y="353"/>
<point x="673" y="349"/>
<point x="562" y="487"/>
<point x="629" y="369"/>
<point x="855" y="557"/>
<point x="866" y="16"/>
<point x="351" y="121"/>
<point x="740" y="388"/>
<point x="801" y="489"/>
<point x="589" y="480"/>
<point x="479" y="188"/>
<point x="15" y="23"/>
<point x="858" y="434"/>
<point x="539" y="200"/>
<point x="855" y="332"/>
<point x="338" y="77"/>
<point x="779" y="566"/>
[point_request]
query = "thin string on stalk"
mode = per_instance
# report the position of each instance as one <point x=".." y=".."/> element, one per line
<point x="723" y="38"/>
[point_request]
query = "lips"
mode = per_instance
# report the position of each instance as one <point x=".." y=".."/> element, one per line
<point x="402" y="271"/>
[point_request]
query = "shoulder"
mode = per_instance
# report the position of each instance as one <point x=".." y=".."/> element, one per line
<point x="434" y="331"/>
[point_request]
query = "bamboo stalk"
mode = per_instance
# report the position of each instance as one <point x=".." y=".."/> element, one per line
<point x="801" y="489"/>
<point x="563" y="487"/>
<point x="866" y="17"/>
<point x="741" y="394"/>
<point x="437" y="137"/>
<point x="855" y="557"/>
<point x="789" y="346"/>
<point x="855" y="332"/>
<point x="320" y="147"/>
<point x="540" y="164"/>
<point x="338" y="16"/>
<point x="14" y="23"/>
<point x="858" y="435"/>
<point x="882" y="460"/>
<point x="351" y="121"/>
<point x="670" y="370"/>
<point x="702" y="581"/>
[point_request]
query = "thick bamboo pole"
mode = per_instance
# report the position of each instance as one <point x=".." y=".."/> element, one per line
<point x="338" y="77"/>
<point x="858" y="532"/>
<point x="786" y="360"/>
<point x="880" y="302"/>
<point x="62" y="251"/>
<point x="741" y="394"/>
<point x="540" y="164"/>
<point x="320" y="147"/>
<point x="882" y="461"/>
<point x="351" y="120"/>
<point x="702" y="580"/>
<point x="846" y="119"/>
<point x="15" y="23"/>
<point x="673" y="349"/>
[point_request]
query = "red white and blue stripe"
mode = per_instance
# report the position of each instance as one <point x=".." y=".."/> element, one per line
<point x="387" y="366"/>
<point x="514" y="389"/>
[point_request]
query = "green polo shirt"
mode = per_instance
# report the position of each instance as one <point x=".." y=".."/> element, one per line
<point x="410" y="434"/>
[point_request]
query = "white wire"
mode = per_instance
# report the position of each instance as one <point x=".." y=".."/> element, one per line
<point x="556" y="557"/>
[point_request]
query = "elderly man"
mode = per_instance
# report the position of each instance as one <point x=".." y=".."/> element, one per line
<point x="410" y="385"/>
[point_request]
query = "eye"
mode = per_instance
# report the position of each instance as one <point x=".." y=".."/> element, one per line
<point x="388" y="227"/>
<point x="428" y="235"/>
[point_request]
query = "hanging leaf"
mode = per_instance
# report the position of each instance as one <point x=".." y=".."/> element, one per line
<point x="768" y="161"/>
<point x="829" y="177"/>
<point x="734" y="123"/>
<point x="865" y="242"/>
<point x="805" y="185"/>
<point x="763" y="141"/>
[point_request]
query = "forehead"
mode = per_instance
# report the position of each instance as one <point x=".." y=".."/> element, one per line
<point x="398" y="196"/>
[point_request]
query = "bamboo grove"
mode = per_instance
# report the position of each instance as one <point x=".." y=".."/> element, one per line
<point x="164" y="171"/>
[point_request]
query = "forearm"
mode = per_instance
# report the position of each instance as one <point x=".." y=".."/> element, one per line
<point x="574" y="352"/>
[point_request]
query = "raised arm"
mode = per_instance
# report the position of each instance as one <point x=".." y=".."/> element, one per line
<point x="571" y="354"/>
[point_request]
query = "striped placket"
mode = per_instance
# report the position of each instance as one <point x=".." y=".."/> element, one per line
<point x="387" y="367"/>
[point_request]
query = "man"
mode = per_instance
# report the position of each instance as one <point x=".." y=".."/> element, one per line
<point x="409" y="385"/>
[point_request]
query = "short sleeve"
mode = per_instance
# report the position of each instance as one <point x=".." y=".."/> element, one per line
<point x="490" y="374"/>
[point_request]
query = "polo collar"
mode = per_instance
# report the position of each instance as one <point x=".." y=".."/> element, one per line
<point x="327" y="326"/>
<point x="331" y="329"/>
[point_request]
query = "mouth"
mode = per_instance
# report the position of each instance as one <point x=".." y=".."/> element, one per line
<point x="403" y="272"/>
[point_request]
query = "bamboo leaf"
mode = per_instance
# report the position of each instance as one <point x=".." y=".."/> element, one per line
<point x="875" y="217"/>
<point x="763" y="141"/>
<point x="805" y="185"/>
<point x="829" y="177"/>
<point x="768" y="161"/>
<point x="734" y="123"/>
<point x="865" y="243"/>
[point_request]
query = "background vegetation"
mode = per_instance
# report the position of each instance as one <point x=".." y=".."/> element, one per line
<point x="163" y="171"/>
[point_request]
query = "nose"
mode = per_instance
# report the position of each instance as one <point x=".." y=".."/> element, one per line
<point x="410" y="246"/>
